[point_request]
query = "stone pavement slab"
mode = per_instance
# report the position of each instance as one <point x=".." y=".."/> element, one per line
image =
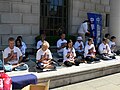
<point x="110" y="82"/>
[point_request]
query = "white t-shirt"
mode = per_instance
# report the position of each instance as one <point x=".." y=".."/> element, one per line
<point x="66" y="51"/>
<point x="83" y="28"/>
<point x="24" y="45"/>
<point x="41" y="53"/>
<point x="104" y="48"/>
<point x="60" y="42"/>
<point x="77" y="46"/>
<point x="23" y="50"/>
<point x="39" y="44"/>
<point x="87" y="48"/>
<point x="17" y="54"/>
<point x="112" y="44"/>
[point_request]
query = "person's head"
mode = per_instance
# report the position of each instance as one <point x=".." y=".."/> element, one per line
<point x="88" y="22"/>
<point x="113" y="38"/>
<point x="18" y="43"/>
<point x="69" y="44"/>
<point x="105" y="41"/>
<point x="45" y="45"/>
<point x="43" y="37"/>
<point x="90" y="41"/>
<point x="79" y="39"/>
<point x="11" y="42"/>
<point x="62" y="36"/>
<point x="107" y="35"/>
<point x="19" y="37"/>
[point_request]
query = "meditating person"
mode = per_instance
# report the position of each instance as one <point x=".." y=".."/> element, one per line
<point x="18" y="44"/>
<point x="79" y="47"/>
<point x="90" y="52"/>
<point x="105" y="51"/>
<point x="107" y="36"/>
<point x="23" y="43"/>
<point x="61" y="44"/>
<point x="44" y="56"/>
<point x="113" y="46"/>
<point x="12" y="54"/>
<point x="40" y="42"/>
<point x="69" y="55"/>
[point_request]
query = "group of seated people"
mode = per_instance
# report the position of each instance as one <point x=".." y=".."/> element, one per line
<point x="87" y="51"/>
<point x="15" y="53"/>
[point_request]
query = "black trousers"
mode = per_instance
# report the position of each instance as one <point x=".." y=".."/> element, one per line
<point x="69" y="64"/>
<point x="91" y="59"/>
<point x="80" y="54"/>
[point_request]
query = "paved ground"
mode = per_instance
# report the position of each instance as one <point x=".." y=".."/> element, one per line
<point x="111" y="82"/>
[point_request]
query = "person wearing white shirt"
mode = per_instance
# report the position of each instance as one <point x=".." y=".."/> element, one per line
<point x="18" y="44"/>
<point x="112" y="44"/>
<point x="44" y="56"/>
<point x="84" y="28"/>
<point x="107" y="36"/>
<point x="12" y="54"/>
<point x="105" y="50"/>
<point x="40" y="42"/>
<point x="104" y="47"/>
<point x="89" y="53"/>
<point x="23" y="43"/>
<point x="79" y="46"/>
<point x="69" y="55"/>
<point x="61" y="43"/>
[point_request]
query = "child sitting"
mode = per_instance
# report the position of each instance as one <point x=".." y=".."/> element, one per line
<point x="69" y="55"/>
<point x="90" y="51"/>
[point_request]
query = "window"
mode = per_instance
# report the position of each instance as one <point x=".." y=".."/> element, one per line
<point x="53" y="16"/>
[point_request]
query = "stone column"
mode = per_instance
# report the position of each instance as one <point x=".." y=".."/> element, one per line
<point x="115" y="19"/>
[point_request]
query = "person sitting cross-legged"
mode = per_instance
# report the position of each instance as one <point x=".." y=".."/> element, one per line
<point x="40" y="42"/>
<point x="79" y="47"/>
<point x="113" y="46"/>
<point x="18" y="43"/>
<point x="69" y="55"/>
<point x="61" y="43"/>
<point x="89" y="53"/>
<point x="12" y="54"/>
<point x="105" y="51"/>
<point x="44" y="57"/>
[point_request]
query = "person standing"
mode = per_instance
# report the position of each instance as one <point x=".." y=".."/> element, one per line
<point x="84" y="29"/>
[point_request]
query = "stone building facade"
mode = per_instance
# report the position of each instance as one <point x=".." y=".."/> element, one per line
<point x="80" y="8"/>
<point x="22" y="17"/>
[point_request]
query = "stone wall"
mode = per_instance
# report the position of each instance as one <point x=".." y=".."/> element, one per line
<point x="80" y="8"/>
<point x="19" y="17"/>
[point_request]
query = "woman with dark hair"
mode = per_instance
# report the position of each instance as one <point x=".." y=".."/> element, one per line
<point x="69" y="55"/>
<point x="23" y="43"/>
<point x="18" y="43"/>
<point x="90" y="52"/>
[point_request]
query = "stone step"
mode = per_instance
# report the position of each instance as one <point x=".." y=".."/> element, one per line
<point x="69" y="75"/>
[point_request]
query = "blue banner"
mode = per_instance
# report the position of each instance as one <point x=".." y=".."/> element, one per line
<point x="96" y="26"/>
